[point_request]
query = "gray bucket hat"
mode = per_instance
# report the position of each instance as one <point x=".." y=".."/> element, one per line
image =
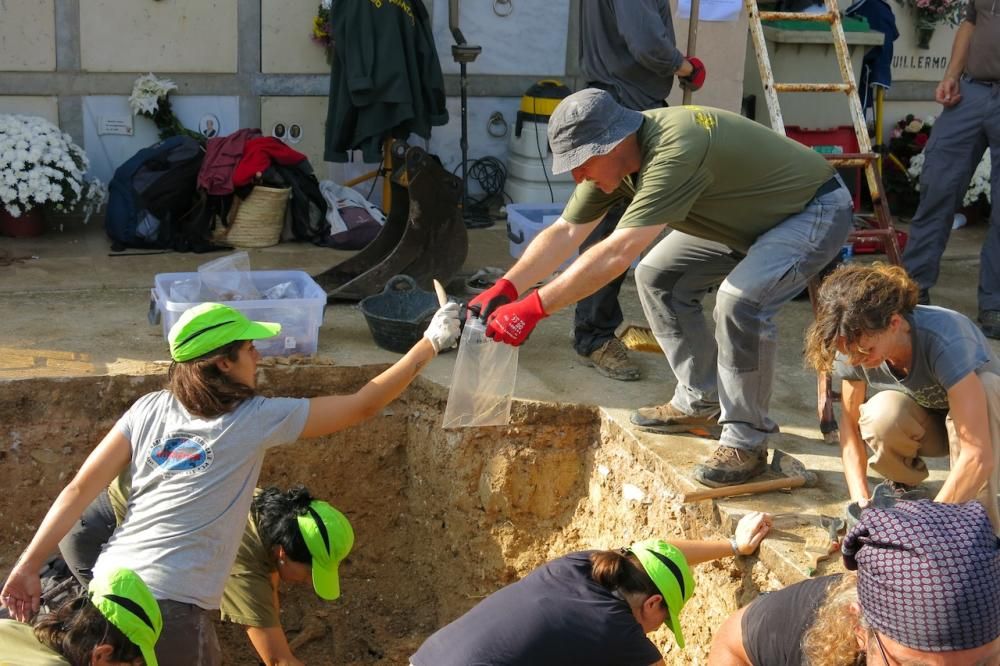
<point x="585" y="124"/>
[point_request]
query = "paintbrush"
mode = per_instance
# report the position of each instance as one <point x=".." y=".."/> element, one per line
<point x="637" y="338"/>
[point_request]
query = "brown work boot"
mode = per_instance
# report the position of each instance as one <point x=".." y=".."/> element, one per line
<point x="611" y="360"/>
<point x="729" y="466"/>
<point x="666" y="418"/>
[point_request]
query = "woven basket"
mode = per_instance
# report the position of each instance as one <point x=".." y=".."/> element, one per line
<point x="257" y="221"/>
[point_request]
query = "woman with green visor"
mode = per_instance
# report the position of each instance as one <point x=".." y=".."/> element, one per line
<point x="194" y="452"/>
<point x="592" y="608"/>
<point x="116" y="622"/>
<point x="283" y="542"/>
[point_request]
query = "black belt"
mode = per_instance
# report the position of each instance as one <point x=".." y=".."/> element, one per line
<point x="831" y="185"/>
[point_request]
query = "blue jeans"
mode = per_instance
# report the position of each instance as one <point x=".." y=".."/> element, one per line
<point x="733" y="370"/>
<point x="597" y="316"/>
<point x="958" y="141"/>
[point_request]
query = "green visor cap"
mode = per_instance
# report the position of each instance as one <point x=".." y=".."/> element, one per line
<point x="668" y="568"/>
<point x="128" y="604"/>
<point x="206" y="327"/>
<point x="329" y="537"/>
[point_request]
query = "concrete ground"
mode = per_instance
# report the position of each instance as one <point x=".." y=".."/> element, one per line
<point x="71" y="308"/>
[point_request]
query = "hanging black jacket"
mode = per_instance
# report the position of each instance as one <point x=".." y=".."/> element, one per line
<point x="386" y="78"/>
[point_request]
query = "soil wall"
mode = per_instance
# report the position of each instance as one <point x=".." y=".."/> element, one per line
<point x="442" y="518"/>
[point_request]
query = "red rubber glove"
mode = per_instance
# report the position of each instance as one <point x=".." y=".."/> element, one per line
<point x="513" y="323"/>
<point x="696" y="79"/>
<point x="502" y="292"/>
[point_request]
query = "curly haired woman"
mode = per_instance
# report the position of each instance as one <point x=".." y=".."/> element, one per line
<point x="922" y="587"/>
<point x="937" y="383"/>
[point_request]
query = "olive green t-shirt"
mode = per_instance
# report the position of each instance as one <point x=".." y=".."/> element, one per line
<point x="248" y="597"/>
<point x="709" y="173"/>
<point x="19" y="647"/>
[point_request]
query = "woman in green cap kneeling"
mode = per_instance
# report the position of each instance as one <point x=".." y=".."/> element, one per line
<point x="116" y="622"/>
<point x="592" y="608"/>
<point x="283" y="542"/>
<point x="194" y="452"/>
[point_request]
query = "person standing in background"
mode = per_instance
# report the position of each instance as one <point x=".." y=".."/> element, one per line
<point x="628" y="49"/>
<point x="969" y="124"/>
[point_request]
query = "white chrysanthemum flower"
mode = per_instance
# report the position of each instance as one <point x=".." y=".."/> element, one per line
<point x="979" y="186"/>
<point x="40" y="164"/>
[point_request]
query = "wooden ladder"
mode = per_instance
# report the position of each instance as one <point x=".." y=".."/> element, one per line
<point x="879" y="224"/>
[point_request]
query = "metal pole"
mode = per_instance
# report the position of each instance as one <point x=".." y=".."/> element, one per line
<point x="464" y="140"/>
<point x="692" y="42"/>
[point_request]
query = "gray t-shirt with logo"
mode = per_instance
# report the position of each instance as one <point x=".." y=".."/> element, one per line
<point x="192" y="484"/>
<point x="947" y="346"/>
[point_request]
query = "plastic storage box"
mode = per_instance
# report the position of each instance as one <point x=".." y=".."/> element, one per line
<point x="300" y="318"/>
<point x="525" y="221"/>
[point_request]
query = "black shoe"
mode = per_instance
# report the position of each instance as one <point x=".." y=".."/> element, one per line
<point x="924" y="298"/>
<point x="989" y="321"/>
<point x="729" y="466"/>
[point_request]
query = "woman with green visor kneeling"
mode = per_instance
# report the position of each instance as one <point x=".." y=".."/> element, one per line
<point x="194" y="453"/>
<point x="284" y="541"/>
<point x="116" y="622"/>
<point x="592" y="608"/>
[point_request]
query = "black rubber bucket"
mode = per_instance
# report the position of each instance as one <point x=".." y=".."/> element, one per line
<point x="399" y="315"/>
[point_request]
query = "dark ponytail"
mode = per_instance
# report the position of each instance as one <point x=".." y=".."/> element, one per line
<point x="620" y="570"/>
<point x="77" y="627"/>
<point x="276" y="513"/>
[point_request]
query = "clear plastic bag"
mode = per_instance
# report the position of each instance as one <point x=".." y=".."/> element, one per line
<point x="228" y="278"/>
<point x="186" y="291"/>
<point x="483" y="384"/>
<point x="282" y="290"/>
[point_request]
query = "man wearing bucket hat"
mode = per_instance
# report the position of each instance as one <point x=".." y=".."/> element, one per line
<point x="923" y="587"/>
<point x="117" y="622"/>
<point x="754" y="216"/>
<point x="289" y="537"/>
<point x="194" y="452"/>
<point x="587" y="608"/>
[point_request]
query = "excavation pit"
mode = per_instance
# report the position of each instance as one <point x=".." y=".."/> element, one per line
<point x="442" y="518"/>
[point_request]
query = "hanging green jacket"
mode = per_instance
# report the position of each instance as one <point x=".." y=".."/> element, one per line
<point x="386" y="77"/>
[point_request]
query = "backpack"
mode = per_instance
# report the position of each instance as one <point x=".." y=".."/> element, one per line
<point x="307" y="207"/>
<point x="153" y="200"/>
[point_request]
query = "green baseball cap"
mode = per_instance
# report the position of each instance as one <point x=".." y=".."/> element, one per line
<point x="329" y="537"/>
<point x="128" y="604"/>
<point x="206" y="327"/>
<point x="668" y="568"/>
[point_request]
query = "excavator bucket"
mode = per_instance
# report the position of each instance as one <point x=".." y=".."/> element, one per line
<point x="424" y="235"/>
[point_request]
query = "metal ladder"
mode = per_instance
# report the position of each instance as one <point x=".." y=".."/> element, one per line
<point x="880" y="223"/>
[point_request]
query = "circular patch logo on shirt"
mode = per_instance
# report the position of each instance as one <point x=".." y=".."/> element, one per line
<point x="181" y="453"/>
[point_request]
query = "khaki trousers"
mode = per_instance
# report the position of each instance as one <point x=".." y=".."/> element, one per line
<point x="900" y="433"/>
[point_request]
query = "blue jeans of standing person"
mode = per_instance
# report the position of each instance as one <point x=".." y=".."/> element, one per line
<point x="597" y="316"/>
<point x="958" y="140"/>
<point x="733" y="370"/>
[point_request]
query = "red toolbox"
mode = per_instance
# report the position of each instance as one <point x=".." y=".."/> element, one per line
<point x="835" y="140"/>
